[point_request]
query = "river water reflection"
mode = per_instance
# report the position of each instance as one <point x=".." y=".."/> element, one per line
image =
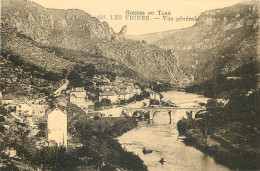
<point x="162" y="138"/>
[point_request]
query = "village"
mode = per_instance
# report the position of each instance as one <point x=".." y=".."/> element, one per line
<point x="39" y="115"/>
<point x="83" y="89"/>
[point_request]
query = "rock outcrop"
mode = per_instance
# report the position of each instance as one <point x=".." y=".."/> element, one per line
<point x="123" y="31"/>
<point x="220" y="42"/>
<point x="50" y="30"/>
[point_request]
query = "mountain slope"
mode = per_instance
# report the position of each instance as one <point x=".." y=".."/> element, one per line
<point x="48" y="31"/>
<point x="219" y="43"/>
<point x="151" y="37"/>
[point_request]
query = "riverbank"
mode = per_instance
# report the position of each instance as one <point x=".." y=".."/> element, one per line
<point x="163" y="140"/>
<point x="92" y="147"/>
<point x="225" y="150"/>
<point x="101" y="149"/>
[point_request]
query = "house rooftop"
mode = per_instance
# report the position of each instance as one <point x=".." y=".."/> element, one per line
<point x="122" y="93"/>
<point x="107" y="93"/>
<point x="78" y="95"/>
<point x="28" y="102"/>
<point x="78" y="89"/>
<point x="122" y="86"/>
<point x="58" y="108"/>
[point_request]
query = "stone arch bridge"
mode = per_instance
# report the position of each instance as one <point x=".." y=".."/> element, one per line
<point x="175" y="113"/>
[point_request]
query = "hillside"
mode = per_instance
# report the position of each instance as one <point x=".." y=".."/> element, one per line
<point x="33" y="41"/>
<point x="20" y="84"/>
<point x="151" y="37"/>
<point x="222" y="41"/>
<point x="55" y="40"/>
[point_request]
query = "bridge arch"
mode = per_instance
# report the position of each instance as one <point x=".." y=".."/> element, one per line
<point x="200" y="113"/>
<point x="176" y="113"/>
<point x="152" y="114"/>
<point x="141" y="114"/>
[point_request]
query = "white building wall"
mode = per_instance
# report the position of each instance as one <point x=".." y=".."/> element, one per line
<point x="38" y="110"/>
<point x="57" y="127"/>
<point x="24" y="109"/>
<point x="113" y="98"/>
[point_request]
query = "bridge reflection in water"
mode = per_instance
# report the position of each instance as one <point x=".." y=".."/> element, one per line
<point x="174" y="113"/>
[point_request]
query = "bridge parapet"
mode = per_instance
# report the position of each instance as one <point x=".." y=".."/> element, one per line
<point x="175" y="113"/>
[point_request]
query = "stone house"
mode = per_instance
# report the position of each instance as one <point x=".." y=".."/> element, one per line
<point x="38" y="110"/>
<point x="111" y="95"/>
<point x="29" y="108"/>
<point x="78" y="97"/>
<point x="24" y="108"/>
<point x="123" y="95"/>
<point x="6" y="99"/>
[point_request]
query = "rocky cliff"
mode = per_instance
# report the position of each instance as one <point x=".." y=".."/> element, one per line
<point x="47" y="38"/>
<point x="222" y="41"/>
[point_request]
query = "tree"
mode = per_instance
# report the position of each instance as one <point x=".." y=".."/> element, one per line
<point x="105" y="102"/>
<point x="122" y="102"/>
<point x="3" y="111"/>
<point x="43" y="129"/>
<point x="89" y="70"/>
<point x="74" y="78"/>
<point x="96" y="117"/>
<point x="64" y="72"/>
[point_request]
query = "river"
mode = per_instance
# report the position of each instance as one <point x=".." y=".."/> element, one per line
<point x="162" y="138"/>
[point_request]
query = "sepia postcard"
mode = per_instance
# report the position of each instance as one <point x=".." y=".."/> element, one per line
<point x="156" y="85"/>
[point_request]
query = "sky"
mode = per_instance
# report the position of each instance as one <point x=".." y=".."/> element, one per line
<point x="142" y="16"/>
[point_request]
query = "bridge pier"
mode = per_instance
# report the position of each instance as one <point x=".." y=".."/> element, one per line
<point x="170" y="115"/>
<point x="150" y="117"/>
<point x="151" y="113"/>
